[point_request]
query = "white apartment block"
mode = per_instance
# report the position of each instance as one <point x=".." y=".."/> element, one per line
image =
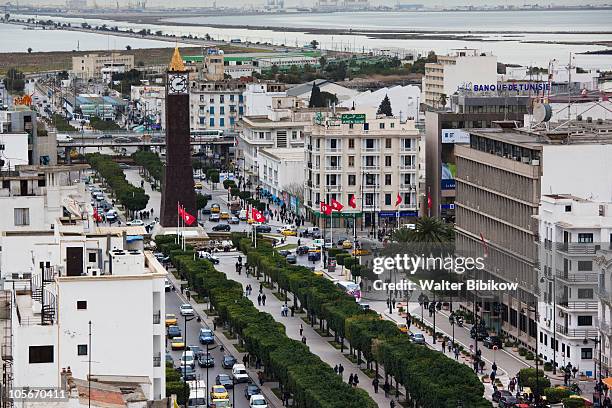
<point x="61" y="272"/>
<point x="451" y="71"/>
<point x="571" y="231"/>
<point x="216" y="105"/>
<point x="150" y="101"/>
<point x="258" y="98"/>
<point x="603" y="266"/>
<point x="281" y="170"/>
<point x="371" y="157"/>
<point x="91" y="65"/>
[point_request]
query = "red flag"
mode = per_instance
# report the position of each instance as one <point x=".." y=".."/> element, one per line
<point x="352" y="201"/>
<point x="96" y="216"/>
<point x="257" y="216"/>
<point x="188" y="218"/>
<point x="398" y="200"/>
<point x="335" y="205"/>
<point x="428" y="200"/>
<point x="326" y="208"/>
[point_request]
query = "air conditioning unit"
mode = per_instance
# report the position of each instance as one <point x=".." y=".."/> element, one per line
<point x="94" y="271"/>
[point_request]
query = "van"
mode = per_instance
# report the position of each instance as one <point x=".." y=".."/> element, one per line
<point x="197" y="394"/>
<point x="61" y="137"/>
<point x="240" y="374"/>
<point x="243" y="215"/>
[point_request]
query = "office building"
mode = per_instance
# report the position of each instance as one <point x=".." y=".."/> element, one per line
<point x="571" y="231"/>
<point x="91" y="65"/>
<point x="453" y="71"/>
<point x="446" y="128"/>
<point x="370" y="157"/>
<point x="502" y="175"/>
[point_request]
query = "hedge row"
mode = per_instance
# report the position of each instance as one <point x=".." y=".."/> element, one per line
<point x="133" y="198"/>
<point x="151" y="162"/>
<point x="311" y="381"/>
<point x="432" y="379"/>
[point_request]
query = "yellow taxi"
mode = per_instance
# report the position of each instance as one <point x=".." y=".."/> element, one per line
<point x="347" y="244"/>
<point x="198" y="185"/>
<point x="170" y="319"/>
<point x="289" y="232"/>
<point x="218" y="392"/>
<point x="224" y="215"/>
<point x="360" y="252"/>
<point x="402" y="328"/>
<point x="177" y="343"/>
<point x="314" y="249"/>
<point x="215" y="208"/>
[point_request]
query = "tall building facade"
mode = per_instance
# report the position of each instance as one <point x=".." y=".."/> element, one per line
<point x="92" y="65"/>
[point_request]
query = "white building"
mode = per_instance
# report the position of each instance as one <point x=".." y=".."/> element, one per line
<point x="571" y="230"/>
<point x="453" y="71"/>
<point x="91" y="65"/>
<point x="404" y="100"/>
<point x="559" y="74"/>
<point x="216" y="105"/>
<point x="603" y="267"/>
<point x="150" y="101"/>
<point x="13" y="150"/>
<point x="281" y="171"/>
<point x="303" y="91"/>
<point x="258" y="97"/>
<point x="367" y="156"/>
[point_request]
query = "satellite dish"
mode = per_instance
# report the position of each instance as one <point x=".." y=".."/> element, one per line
<point x="542" y="112"/>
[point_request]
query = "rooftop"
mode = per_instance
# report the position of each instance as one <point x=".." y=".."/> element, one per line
<point x="285" y="154"/>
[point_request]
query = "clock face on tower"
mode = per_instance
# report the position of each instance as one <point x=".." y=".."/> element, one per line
<point x="177" y="83"/>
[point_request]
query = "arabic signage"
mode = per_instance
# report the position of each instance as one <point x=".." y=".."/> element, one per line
<point x="353" y="118"/>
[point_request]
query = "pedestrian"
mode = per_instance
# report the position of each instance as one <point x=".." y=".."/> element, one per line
<point x="386" y="389"/>
<point x="456" y="351"/>
<point x="494" y="366"/>
<point x="299" y="242"/>
<point x="259" y="300"/>
<point x="336" y="369"/>
<point x="304" y="339"/>
<point x="263" y="299"/>
<point x="444" y="346"/>
<point x="214" y="325"/>
<point x="292" y="310"/>
<point x="283" y="311"/>
<point x="355" y="380"/>
<point x="350" y="380"/>
<point x="392" y="404"/>
<point x="492" y="376"/>
<point x="340" y="370"/>
<point x="375" y="385"/>
<point x="260" y="377"/>
<point x="302" y="331"/>
<point x="260" y="287"/>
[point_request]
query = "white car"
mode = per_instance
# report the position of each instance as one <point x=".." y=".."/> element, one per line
<point x="187" y="358"/>
<point x="240" y="374"/>
<point x="186" y="310"/>
<point x="135" y="223"/>
<point x="258" y="401"/>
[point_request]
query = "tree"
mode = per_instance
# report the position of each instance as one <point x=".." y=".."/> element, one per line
<point x="442" y="100"/>
<point x="322" y="61"/>
<point x="329" y="98"/>
<point x="14" y="80"/>
<point x="385" y="107"/>
<point x="29" y="50"/>
<point x="314" y="44"/>
<point x="201" y="201"/>
<point x="426" y="229"/>
<point x="316" y="100"/>
<point x="128" y="47"/>
<point x="213" y="177"/>
<point x="296" y="190"/>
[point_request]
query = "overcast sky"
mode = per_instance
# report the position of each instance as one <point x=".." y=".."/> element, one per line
<point x="239" y="3"/>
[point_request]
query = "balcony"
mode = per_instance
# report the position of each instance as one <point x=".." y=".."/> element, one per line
<point x="577" y="305"/>
<point x="371" y="149"/>
<point x="404" y="186"/>
<point x="371" y="167"/>
<point x="407" y="167"/>
<point x="580" y="277"/>
<point x="371" y="186"/>
<point x="332" y="149"/>
<point x="157" y="317"/>
<point x="157" y="360"/>
<point x="332" y="187"/>
<point x="577" y="333"/>
<point x="577" y="248"/>
<point x="333" y="168"/>
<point x="408" y="149"/>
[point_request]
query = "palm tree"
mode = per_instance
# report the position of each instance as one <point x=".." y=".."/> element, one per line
<point x="29" y="50"/>
<point x="426" y="229"/>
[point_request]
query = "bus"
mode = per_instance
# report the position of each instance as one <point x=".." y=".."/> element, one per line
<point x="207" y="134"/>
<point x="350" y="288"/>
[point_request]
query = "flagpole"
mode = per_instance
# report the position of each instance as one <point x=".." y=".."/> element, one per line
<point x="178" y="221"/>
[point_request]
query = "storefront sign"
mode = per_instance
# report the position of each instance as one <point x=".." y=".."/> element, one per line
<point x="353" y="118"/>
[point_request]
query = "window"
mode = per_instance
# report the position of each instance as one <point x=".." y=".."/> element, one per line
<point x="381" y="125"/>
<point x="294" y="134"/>
<point x="221" y="122"/>
<point x="81" y="305"/>
<point x="387" y="199"/>
<point x="6" y="184"/>
<point x="366" y="126"/>
<point x="586" y="353"/>
<point x="240" y="110"/>
<point x="232" y="98"/>
<point x="585" y="238"/>
<point x="369" y="199"/>
<point x="351" y="161"/>
<point x="387" y="179"/>
<point x="22" y="216"/>
<point x="40" y="354"/>
<point x="392" y="125"/>
<point x="333" y="143"/>
<point x="585" y="293"/>
<point x="212" y="110"/>
<point x="388" y="143"/>
<point x="585" y="265"/>
<point x="369" y="143"/>
<point x="351" y="179"/>
<point x="221" y="98"/>
<point x="351" y="143"/>
<point x="92" y="257"/>
<point x="82" y="349"/>
<point x="388" y="161"/>
<point x="585" y="320"/>
<point x="212" y="122"/>
<point x="568" y="208"/>
<point x="222" y="110"/>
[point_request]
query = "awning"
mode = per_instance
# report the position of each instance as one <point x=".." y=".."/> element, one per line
<point x="608" y="381"/>
<point x="132" y="238"/>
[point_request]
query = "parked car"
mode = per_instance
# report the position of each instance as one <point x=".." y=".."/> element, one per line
<point x="169" y="358"/>
<point x="479" y="334"/>
<point x="491" y="341"/>
<point x="508" y="401"/>
<point x="167" y="285"/>
<point x="206" y="211"/>
<point x="222" y="227"/>
<point x="314" y="256"/>
<point x="173" y="331"/>
<point x="224" y="380"/>
<point x="187" y="359"/>
<point x="228" y="362"/>
<point x="239" y="373"/>
<point x="207" y="255"/>
<point x="102" y="137"/>
<point x="417" y="338"/>
<point x="214" y="217"/>
<point x="206" y="360"/>
<point x="177" y="343"/>
<point x="135" y="223"/>
<point x="251" y="390"/>
<point x="234" y="220"/>
<point x="291" y="258"/>
<point x="206" y="336"/>
<point x="171" y="319"/>
<point x="284" y="252"/>
<point x="186" y="310"/>
<point x="258" y="401"/>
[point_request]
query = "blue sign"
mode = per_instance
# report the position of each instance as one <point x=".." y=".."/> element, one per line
<point x="512" y="86"/>
<point x="393" y="214"/>
<point x="447" y="206"/>
<point x="448" y="184"/>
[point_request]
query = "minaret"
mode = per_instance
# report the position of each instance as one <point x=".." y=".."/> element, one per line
<point x="178" y="181"/>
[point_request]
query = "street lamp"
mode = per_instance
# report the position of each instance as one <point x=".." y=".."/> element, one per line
<point x="183" y="360"/>
<point x="233" y="391"/>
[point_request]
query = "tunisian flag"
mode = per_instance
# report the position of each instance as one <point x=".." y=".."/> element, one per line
<point x="352" y="201"/>
<point x="326" y="208"/>
<point x="335" y="205"/>
<point x="398" y="200"/>
<point x="188" y="218"/>
<point x="257" y="216"/>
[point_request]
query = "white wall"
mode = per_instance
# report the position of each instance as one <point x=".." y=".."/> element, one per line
<point x="15" y="150"/>
<point x="257" y="101"/>
<point x="581" y="170"/>
<point x="477" y="70"/>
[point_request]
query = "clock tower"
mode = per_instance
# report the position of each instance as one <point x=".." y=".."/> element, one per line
<point x="178" y="180"/>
